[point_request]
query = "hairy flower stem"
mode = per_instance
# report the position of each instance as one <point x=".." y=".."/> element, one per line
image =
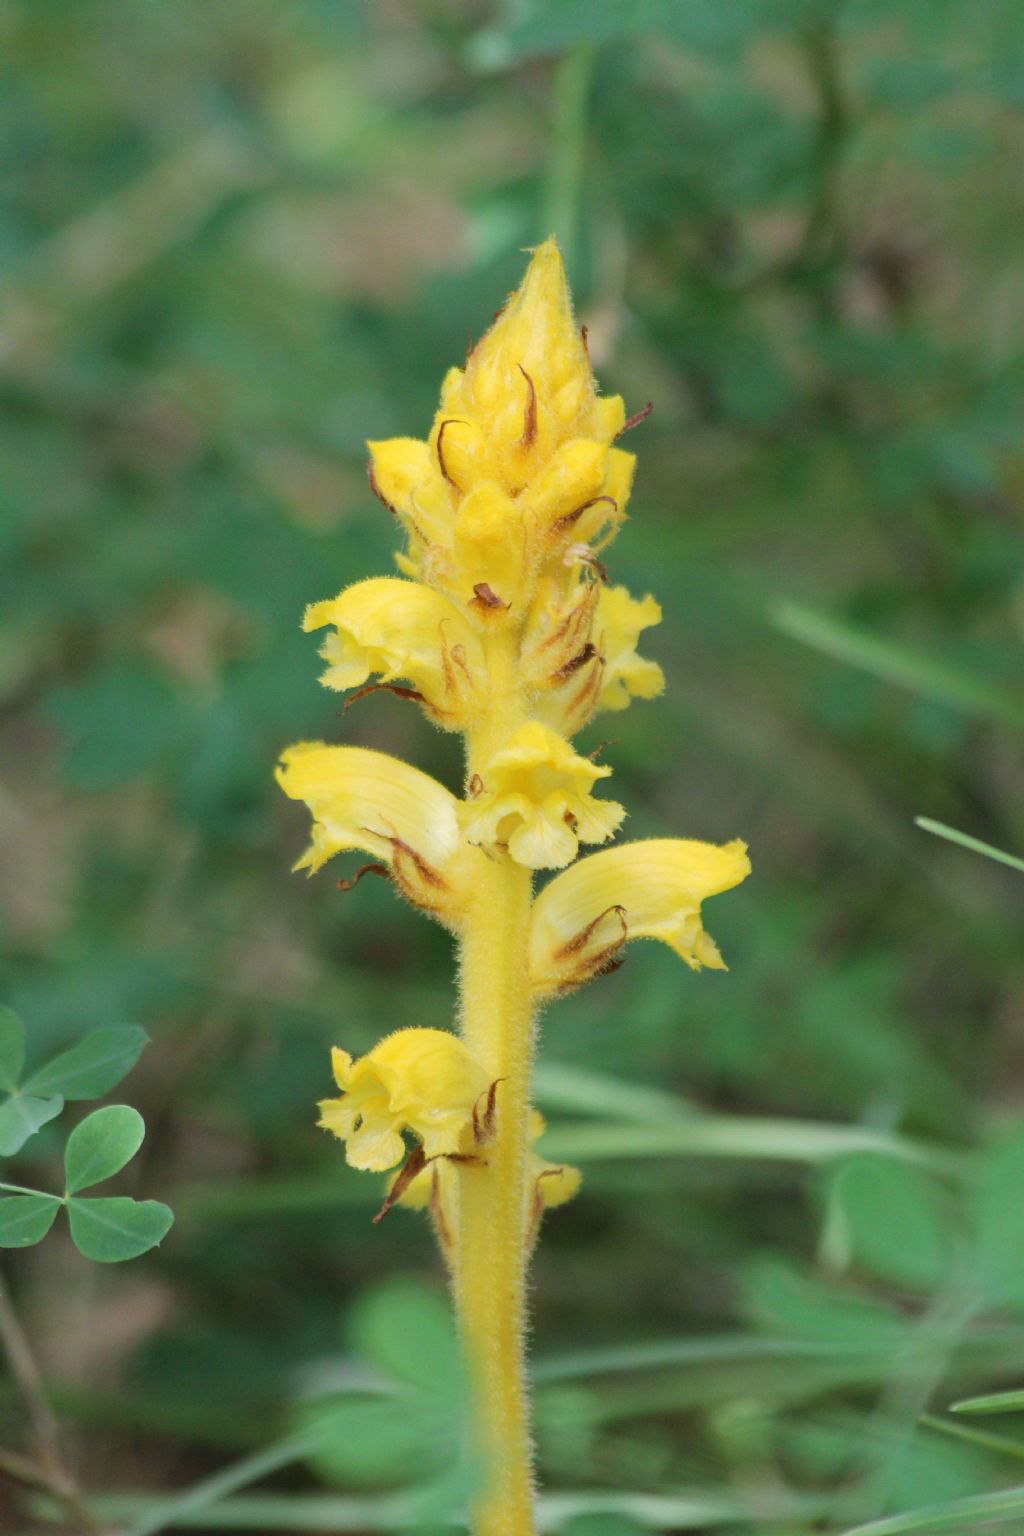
<point x="497" y="1025"/>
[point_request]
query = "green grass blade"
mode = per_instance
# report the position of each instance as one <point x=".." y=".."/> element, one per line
<point x="193" y="1506"/>
<point x="956" y="1515"/>
<point x="964" y="840"/>
<point x="893" y="664"/>
<point x="735" y="1136"/>
<point x="577" y="1090"/>
<point x="1001" y="1445"/>
<point x="992" y="1402"/>
<point x="685" y="1510"/>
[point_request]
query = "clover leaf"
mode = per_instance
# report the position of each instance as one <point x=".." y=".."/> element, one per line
<point x="107" y="1228"/>
<point x="86" y="1071"/>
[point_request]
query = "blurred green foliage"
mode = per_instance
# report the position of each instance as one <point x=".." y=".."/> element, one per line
<point x="238" y="239"/>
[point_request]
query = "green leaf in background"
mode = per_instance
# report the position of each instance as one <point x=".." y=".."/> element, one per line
<point x="799" y="1306"/>
<point x="91" y="1068"/>
<point x="998" y="1210"/>
<point x="405" y="1327"/>
<point x="21" y="1116"/>
<point x="12" y="1049"/>
<point x="101" y="1145"/>
<point x="119" y="723"/>
<point x="367" y="1441"/>
<point x="111" y="1230"/>
<point x="893" y="1219"/>
<point x="26" y="1219"/>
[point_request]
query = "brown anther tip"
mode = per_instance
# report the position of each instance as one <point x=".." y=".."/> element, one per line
<point x="413" y="1165"/>
<point x="364" y="869"/>
<point x="395" y="688"/>
<point x="581" y="658"/>
<point x="636" y="419"/>
<point x="475" y="787"/>
<point x="486" y="597"/>
<point x="375" y="488"/>
<point x="612" y="742"/>
<point x="572" y="517"/>
<point x="483" y="1128"/>
<point x="530" y="416"/>
<point x="423" y="869"/>
<point x="585" y="339"/>
<point x="442" y="429"/>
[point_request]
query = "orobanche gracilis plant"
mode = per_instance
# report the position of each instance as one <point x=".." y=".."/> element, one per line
<point x="503" y="627"/>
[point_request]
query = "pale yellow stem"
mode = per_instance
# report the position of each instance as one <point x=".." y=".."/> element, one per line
<point x="497" y="1024"/>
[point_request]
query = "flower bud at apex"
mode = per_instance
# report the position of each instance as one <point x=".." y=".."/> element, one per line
<point x="423" y="1081"/>
<point x="523" y="426"/>
<point x="535" y="801"/>
<point x="401" y="629"/>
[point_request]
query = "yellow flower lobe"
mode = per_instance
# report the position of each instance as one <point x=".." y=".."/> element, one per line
<point x="535" y="800"/>
<point x="401" y="629"/>
<point x="423" y="1081"/>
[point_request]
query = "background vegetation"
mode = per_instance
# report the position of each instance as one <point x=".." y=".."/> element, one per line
<point x="238" y="239"/>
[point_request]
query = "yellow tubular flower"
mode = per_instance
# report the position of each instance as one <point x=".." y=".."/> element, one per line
<point x="368" y="800"/>
<point x="401" y="629"/>
<point x="645" y="890"/>
<point x="534" y="798"/>
<point x="419" y="1080"/>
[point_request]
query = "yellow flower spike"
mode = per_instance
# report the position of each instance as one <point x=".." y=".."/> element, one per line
<point x="421" y="1081"/>
<point x="507" y="507"/>
<point x="617" y="626"/>
<point x="369" y="800"/>
<point x="402" y="629"/>
<point x="534" y="799"/>
<point x="645" y="890"/>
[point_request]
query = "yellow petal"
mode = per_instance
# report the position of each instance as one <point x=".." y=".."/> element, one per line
<point x="556" y="1183"/>
<point x="337" y="1116"/>
<point x="426" y="1070"/>
<point x="574" y="475"/>
<point x="374" y="1147"/>
<point x="650" y="889"/>
<point x="341" y="1066"/>
<point x="617" y="626"/>
<point x="402" y="629"/>
<point x="490" y="544"/>
<point x="406" y="476"/>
